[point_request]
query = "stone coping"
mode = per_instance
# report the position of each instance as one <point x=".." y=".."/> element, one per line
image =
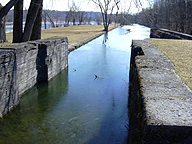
<point x="167" y="101"/>
<point x="168" y="34"/>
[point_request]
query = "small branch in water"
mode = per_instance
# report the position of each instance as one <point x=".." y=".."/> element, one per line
<point x="96" y="76"/>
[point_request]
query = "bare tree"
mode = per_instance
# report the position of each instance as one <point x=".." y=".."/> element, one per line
<point x="72" y="14"/>
<point x="18" y="22"/>
<point x="98" y="18"/>
<point x="34" y="12"/>
<point x="32" y="29"/>
<point x="44" y="18"/>
<point x="2" y="27"/>
<point x="88" y="19"/>
<point x="73" y="10"/>
<point x="57" y="19"/>
<point x="48" y="15"/>
<point x="36" y="31"/>
<point x="81" y="16"/>
<point x="107" y="8"/>
<point x="67" y="18"/>
<point x="3" y="12"/>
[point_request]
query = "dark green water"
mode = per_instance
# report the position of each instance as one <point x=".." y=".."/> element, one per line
<point x="76" y="108"/>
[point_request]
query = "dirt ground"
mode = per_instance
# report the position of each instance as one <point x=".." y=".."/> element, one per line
<point x="180" y="53"/>
<point x="75" y="34"/>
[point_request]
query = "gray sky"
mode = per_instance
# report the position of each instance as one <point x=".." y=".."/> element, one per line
<point x="85" y="5"/>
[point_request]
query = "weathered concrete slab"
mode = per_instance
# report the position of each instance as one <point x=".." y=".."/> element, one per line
<point x="24" y="65"/>
<point x="8" y="85"/>
<point x="165" y="114"/>
<point x="168" y="34"/>
<point x="52" y="57"/>
<point x="25" y="61"/>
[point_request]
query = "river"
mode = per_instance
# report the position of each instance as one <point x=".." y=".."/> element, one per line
<point x="9" y="25"/>
<point x="85" y="104"/>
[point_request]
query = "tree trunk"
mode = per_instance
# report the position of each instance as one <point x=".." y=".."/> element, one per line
<point x="36" y="32"/>
<point x="106" y="28"/>
<point x="44" y="15"/>
<point x="18" y="22"/>
<point x="2" y="28"/>
<point x="6" y="8"/>
<point x="31" y="17"/>
<point x="51" y="21"/>
<point x="182" y="15"/>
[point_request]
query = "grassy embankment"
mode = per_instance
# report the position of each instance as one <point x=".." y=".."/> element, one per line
<point x="75" y="34"/>
<point x="180" y="53"/>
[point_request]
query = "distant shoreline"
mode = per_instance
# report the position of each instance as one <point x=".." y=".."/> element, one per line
<point x="9" y="23"/>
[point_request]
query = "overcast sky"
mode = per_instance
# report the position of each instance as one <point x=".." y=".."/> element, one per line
<point x="84" y="5"/>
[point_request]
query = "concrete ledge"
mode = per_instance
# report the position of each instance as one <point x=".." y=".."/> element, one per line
<point x="168" y="34"/>
<point x="160" y="104"/>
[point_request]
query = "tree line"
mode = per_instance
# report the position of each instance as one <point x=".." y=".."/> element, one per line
<point x="169" y="14"/>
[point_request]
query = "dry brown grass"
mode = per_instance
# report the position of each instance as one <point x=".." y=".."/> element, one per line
<point x="74" y="34"/>
<point x="180" y="53"/>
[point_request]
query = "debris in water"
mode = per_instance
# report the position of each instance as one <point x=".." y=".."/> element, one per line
<point x="124" y="80"/>
<point x="96" y="119"/>
<point x="96" y="76"/>
<point x="73" y="136"/>
<point x="73" y="119"/>
<point x="86" y="106"/>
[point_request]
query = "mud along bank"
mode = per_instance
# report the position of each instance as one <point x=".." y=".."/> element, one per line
<point x="24" y="65"/>
<point x="160" y="104"/>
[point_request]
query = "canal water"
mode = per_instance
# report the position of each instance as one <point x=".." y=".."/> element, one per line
<point x="85" y="104"/>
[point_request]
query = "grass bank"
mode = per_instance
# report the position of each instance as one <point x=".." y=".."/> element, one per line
<point x="180" y="53"/>
<point x="75" y="34"/>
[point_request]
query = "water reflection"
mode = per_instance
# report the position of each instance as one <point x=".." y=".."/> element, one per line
<point x="105" y="38"/>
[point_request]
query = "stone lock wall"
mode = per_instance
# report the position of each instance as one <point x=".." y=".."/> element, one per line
<point x="159" y="103"/>
<point x="8" y="84"/>
<point x="52" y="57"/>
<point x="24" y="65"/>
